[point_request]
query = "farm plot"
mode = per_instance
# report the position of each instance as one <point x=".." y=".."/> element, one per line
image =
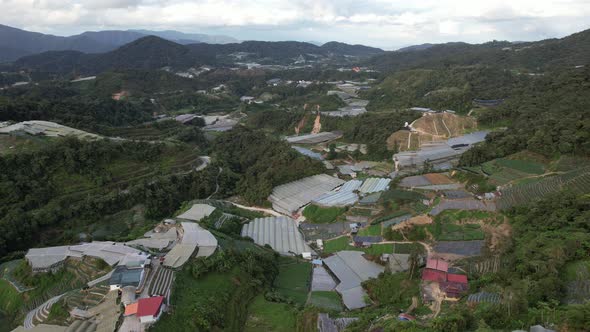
<point x="324" y="231"/>
<point x="460" y="225"/>
<point x="503" y="170"/>
<point x="460" y="248"/>
<point x="577" y="181"/>
<point x="294" y="279"/>
<point x="343" y="243"/>
<point x="463" y="204"/>
<point x="326" y="300"/>
<point x="374" y="230"/>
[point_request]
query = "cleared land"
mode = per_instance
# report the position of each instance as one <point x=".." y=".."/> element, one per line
<point x="342" y="243"/>
<point x="270" y="316"/>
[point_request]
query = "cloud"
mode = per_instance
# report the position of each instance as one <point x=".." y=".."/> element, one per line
<point x="384" y="23"/>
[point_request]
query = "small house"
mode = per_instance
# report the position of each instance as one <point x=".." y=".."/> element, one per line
<point x="150" y="309"/>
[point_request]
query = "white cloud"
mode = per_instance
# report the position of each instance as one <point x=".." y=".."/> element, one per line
<point x="384" y="23"/>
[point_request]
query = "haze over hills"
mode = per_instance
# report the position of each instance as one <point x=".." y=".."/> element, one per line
<point x="16" y="43"/>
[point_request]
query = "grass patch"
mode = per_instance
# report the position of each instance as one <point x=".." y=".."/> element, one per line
<point x="326" y="300"/>
<point x="294" y="279"/>
<point x="402" y="196"/>
<point x="341" y="243"/>
<point x="270" y="316"/>
<point x="450" y="226"/>
<point x="373" y="230"/>
<point x="320" y="215"/>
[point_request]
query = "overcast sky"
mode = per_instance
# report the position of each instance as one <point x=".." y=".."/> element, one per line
<point x="389" y="24"/>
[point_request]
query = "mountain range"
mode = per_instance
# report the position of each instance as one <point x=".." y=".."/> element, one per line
<point x="16" y="43"/>
<point x="153" y="52"/>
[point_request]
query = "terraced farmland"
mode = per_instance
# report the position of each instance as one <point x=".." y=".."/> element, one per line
<point x="161" y="282"/>
<point x="577" y="181"/>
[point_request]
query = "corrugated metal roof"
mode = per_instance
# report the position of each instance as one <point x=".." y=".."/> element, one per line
<point x="373" y="185"/>
<point x="484" y="297"/>
<point x="194" y="236"/>
<point x="290" y="197"/>
<point x="197" y="212"/>
<point x="351" y="269"/>
<point x="308" y="152"/>
<point x="314" y="138"/>
<point x="471" y="138"/>
<point x="338" y="198"/>
<point x="351" y="185"/>
<point x="281" y="233"/>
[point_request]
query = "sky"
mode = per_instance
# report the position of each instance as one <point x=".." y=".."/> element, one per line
<point x="389" y="24"/>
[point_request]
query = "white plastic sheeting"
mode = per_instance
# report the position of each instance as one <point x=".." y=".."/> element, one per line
<point x="373" y="185"/>
<point x="338" y="198"/>
<point x="290" y="197"/>
<point x="281" y="233"/>
<point x="194" y="236"/>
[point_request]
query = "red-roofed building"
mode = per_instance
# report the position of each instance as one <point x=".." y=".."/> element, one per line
<point x="434" y="275"/>
<point x="437" y="264"/>
<point x="149" y="309"/>
<point x="459" y="278"/>
<point x="453" y="290"/>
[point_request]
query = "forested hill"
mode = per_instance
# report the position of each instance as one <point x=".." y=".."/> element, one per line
<point x="154" y="53"/>
<point x="573" y="50"/>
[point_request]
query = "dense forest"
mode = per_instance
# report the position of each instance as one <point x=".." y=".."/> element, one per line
<point x="261" y="162"/>
<point x="71" y="182"/>
<point x="550" y="116"/>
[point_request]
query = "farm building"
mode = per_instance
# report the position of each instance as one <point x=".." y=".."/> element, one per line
<point x="365" y="241"/>
<point x="487" y="102"/>
<point x="197" y="212"/>
<point x="351" y="185"/>
<point x="397" y="262"/>
<point x="185" y="118"/>
<point x="373" y="185"/>
<point x="327" y="324"/>
<point x="308" y="152"/>
<point x="463" y="204"/>
<point x="128" y="295"/>
<point x="124" y="276"/>
<point x="194" y="236"/>
<point x="51" y="258"/>
<point x="46" y="128"/>
<point x="370" y="199"/>
<point x="281" y="233"/>
<point x="441" y="154"/>
<point x="289" y="198"/>
<point x="351" y="269"/>
<point x="314" y="138"/>
<point x="337" y="198"/>
<point x="453" y="285"/>
<point x="396" y="220"/>
<point x="483" y="297"/>
<point x="437" y="264"/>
<point x="148" y="310"/>
<point x="155" y="240"/>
